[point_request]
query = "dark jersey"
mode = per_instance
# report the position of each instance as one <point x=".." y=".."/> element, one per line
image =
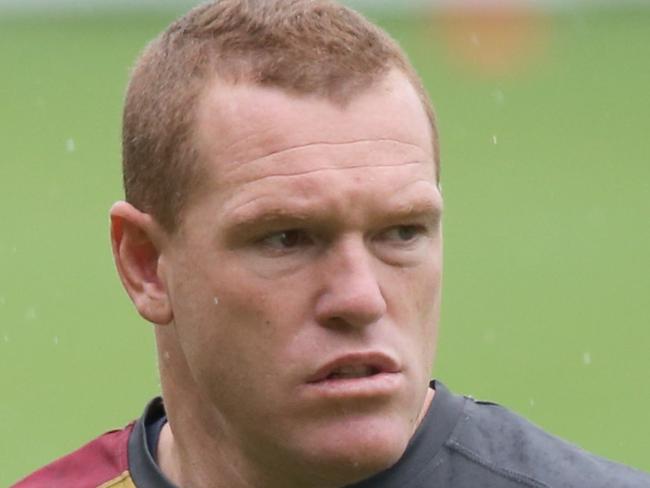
<point x="461" y="443"/>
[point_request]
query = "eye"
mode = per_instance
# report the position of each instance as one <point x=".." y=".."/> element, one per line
<point x="286" y="239"/>
<point x="403" y="233"/>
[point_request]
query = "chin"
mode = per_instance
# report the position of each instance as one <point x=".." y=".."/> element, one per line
<point x="357" y="449"/>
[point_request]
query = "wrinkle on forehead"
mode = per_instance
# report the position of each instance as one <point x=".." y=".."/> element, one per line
<point x="396" y="195"/>
<point x="246" y="133"/>
<point x="334" y="187"/>
<point x="321" y="156"/>
<point x="336" y="210"/>
<point x="333" y="144"/>
<point x="346" y="167"/>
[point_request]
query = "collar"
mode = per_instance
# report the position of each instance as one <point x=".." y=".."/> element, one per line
<point x="143" y="468"/>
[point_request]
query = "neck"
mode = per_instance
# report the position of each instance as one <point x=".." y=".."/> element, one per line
<point x="193" y="450"/>
<point x="197" y="448"/>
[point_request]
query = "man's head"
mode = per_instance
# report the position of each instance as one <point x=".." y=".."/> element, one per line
<point x="296" y="290"/>
<point x="304" y="47"/>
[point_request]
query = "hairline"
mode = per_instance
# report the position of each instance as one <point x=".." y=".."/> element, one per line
<point x="228" y="79"/>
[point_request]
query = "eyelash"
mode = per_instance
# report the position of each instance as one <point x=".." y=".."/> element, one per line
<point x="299" y="237"/>
<point x="418" y="230"/>
<point x="300" y="234"/>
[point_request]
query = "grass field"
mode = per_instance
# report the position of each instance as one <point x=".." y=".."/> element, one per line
<point x="547" y="187"/>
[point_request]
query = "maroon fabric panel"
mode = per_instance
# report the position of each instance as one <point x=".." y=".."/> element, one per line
<point x="99" y="461"/>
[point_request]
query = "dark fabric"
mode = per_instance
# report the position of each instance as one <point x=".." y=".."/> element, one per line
<point x="492" y="447"/>
<point x="142" y="466"/>
<point x="461" y="443"/>
<point x="487" y="446"/>
<point x="152" y="433"/>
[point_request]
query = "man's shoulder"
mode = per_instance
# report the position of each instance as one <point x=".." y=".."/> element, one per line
<point x="497" y="441"/>
<point x="103" y="462"/>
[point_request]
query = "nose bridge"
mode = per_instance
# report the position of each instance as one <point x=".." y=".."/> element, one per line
<point x="351" y="294"/>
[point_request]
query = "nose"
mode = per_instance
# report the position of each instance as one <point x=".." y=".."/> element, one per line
<point x="351" y="294"/>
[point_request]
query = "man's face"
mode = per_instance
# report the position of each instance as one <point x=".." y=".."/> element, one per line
<point x="305" y="278"/>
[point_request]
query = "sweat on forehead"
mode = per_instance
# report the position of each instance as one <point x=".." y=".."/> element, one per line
<point x="315" y="47"/>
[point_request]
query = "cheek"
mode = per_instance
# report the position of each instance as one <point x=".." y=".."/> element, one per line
<point x="419" y="291"/>
<point x="429" y="303"/>
<point x="416" y="309"/>
<point x="226" y="351"/>
<point x="233" y="333"/>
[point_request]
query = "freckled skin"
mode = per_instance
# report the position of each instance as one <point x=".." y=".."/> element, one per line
<point x="348" y="179"/>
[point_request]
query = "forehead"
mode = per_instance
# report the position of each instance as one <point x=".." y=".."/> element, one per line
<point x="257" y="141"/>
<point x="239" y="123"/>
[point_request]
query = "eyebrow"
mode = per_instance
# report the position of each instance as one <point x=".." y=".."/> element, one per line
<point x="262" y="216"/>
<point x="425" y="212"/>
<point x="421" y="206"/>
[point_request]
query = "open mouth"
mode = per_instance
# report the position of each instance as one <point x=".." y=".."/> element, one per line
<point x="355" y="376"/>
<point x="353" y="372"/>
<point x="355" y="366"/>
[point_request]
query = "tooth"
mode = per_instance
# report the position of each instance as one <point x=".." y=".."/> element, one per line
<point x="352" y="372"/>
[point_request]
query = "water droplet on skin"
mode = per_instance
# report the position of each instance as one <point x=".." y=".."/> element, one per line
<point x="70" y="145"/>
<point x="586" y="359"/>
<point x="216" y="300"/>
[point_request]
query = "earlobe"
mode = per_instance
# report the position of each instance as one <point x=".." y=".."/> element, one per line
<point x="136" y="241"/>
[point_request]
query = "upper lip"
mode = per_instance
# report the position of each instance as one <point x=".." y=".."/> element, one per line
<point x="380" y="363"/>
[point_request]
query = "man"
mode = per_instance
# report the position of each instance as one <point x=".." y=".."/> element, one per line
<point x="282" y="229"/>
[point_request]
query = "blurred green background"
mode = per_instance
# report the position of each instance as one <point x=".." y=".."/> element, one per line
<point x="545" y="121"/>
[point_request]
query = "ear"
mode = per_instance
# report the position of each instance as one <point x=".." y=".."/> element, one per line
<point x="137" y="240"/>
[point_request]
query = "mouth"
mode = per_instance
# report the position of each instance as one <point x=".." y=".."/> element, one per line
<point x="357" y="375"/>
<point x="352" y="372"/>
<point x="355" y="366"/>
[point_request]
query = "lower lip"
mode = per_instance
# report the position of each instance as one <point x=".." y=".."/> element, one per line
<point x="378" y="385"/>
